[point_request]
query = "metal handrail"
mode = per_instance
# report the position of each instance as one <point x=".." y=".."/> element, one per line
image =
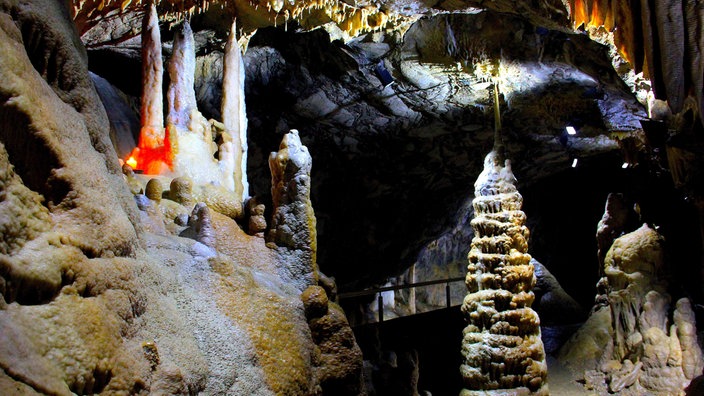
<point x="380" y="298"/>
<point x="368" y="292"/>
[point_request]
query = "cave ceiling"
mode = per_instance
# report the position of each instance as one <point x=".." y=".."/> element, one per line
<point x="394" y="164"/>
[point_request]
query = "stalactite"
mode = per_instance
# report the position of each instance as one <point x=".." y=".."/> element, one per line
<point x="234" y="114"/>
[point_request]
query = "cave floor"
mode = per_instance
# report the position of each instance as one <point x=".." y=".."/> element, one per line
<point x="560" y="380"/>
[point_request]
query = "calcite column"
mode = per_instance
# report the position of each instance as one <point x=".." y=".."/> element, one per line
<point x="293" y="224"/>
<point x="501" y="346"/>
<point x="234" y="114"/>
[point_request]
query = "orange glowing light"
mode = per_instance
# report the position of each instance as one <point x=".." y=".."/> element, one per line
<point x="131" y="162"/>
<point x="154" y="154"/>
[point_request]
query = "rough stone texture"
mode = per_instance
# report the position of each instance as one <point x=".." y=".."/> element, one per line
<point x="404" y="152"/>
<point x="124" y="124"/>
<point x="92" y="303"/>
<point x="640" y="329"/>
<point x="661" y="38"/>
<point x="612" y="225"/>
<point x="339" y="359"/>
<point x="552" y="302"/>
<point x="501" y="346"/>
<point x="293" y="222"/>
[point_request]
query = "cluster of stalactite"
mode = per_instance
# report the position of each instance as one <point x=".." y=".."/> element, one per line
<point x="501" y="346"/>
<point x="662" y="38"/>
<point x="351" y="19"/>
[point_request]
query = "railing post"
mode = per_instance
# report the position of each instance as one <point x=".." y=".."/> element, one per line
<point x="448" y="298"/>
<point x="380" y="301"/>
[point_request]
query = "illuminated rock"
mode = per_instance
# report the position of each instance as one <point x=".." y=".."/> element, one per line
<point x="153" y="154"/>
<point x="640" y="328"/>
<point x="293" y="223"/>
<point x="501" y="346"/>
<point x="234" y="114"/>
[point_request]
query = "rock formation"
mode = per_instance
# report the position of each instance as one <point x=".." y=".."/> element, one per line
<point x="97" y="297"/>
<point x="189" y="133"/>
<point x="552" y="302"/>
<point x="612" y="225"/>
<point x="663" y="39"/>
<point x="501" y="346"/>
<point x="293" y="222"/>
<point x="638" y="349"/>
<point x="153" y="154"/>
<point x="339" y="364"/>
<point x="234" y="114"/>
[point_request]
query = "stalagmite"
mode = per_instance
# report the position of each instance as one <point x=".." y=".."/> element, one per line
<point x="190" y="135"/>
<point x="181" y="96"/>
<point x="234" y="114"/>
<point x="293" y="225"/>
<point x="501" y="346"/>
<point x="152" y="154"/>
<point x="642" y="327"/>
<point x="502" y="350"/>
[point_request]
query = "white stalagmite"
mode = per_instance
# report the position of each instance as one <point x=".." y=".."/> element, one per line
<point x="190" y="134"/>
<point x="234" y="114"/>
<point x="152" y="134"/>
<point x="181" y="96"/>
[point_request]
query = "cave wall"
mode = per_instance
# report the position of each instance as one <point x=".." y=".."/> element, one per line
<point x="102" y="292"/>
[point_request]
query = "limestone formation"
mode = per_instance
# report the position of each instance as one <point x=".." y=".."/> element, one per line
<point x="234" y="114"/>
<point x="612" y="224"/>
<point x="190" y="134"/>
<point x="154" y="190"/>
<point x="552" y="302"/>
<point x="92" y="301"/>
<point x="339" y="363"/>
<point x="256" y="225"/>
<point x="152" y="110"/>
<point x="293" y="222"/>
<point x="501" y="346"/>
<point x="152" y="154"/>
<point x="643" y="348"/>
<point x="662" y="39"/>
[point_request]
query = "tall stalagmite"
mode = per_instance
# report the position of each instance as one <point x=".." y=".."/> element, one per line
<point x="152" y="80"/>
<point x="501" y="346"/>
<point x="234" y="114"/>
<point x="190" y="134"/>
<point x="293" y="224"/>
<point x="151" y="154"/>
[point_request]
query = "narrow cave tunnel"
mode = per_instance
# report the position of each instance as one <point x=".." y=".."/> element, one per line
<point x="288" y="178"/>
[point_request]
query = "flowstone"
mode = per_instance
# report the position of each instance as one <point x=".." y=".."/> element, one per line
<point x="641" y="350"/>
<point x="501" y="346"/>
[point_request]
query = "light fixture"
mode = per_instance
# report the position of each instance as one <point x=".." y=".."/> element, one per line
<point x="570" y="130"/>
<point x="625" y="165"/>
<point x="574" y="163"/>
